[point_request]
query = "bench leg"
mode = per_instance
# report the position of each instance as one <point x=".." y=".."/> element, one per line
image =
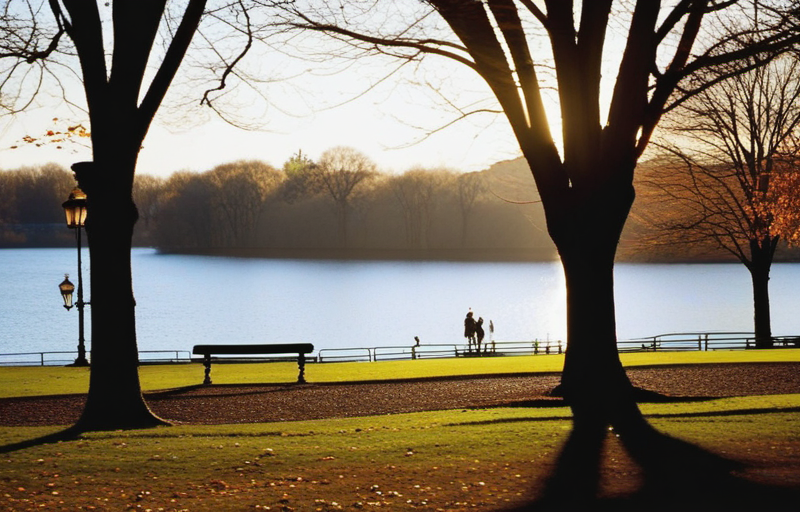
<point x="301" y="364"/>
<point x="207" y="364"/>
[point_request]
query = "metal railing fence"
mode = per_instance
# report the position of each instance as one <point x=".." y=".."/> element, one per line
<point x="63" y="358"/>
<point x="702" y="341"/>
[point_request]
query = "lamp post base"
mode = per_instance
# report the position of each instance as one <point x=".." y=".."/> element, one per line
<point x="80" y="362"/>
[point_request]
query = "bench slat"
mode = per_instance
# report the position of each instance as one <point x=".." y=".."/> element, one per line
<point x="275" y="348"/>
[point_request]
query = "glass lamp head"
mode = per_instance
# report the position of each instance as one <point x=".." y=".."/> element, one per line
<point x="67" y="288"/>
<point x="75" y="208"/>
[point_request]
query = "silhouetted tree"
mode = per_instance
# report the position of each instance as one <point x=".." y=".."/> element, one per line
<point x="722" y="183"/>
<point x="120" y="109"/>
<point x="586" y="183"/>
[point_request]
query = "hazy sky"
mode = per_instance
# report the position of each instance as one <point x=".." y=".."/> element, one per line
<point x="304" y="98"/>
<point x="388" y="124"/>
<point x="394" y="116"/>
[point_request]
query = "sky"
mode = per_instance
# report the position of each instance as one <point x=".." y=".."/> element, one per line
<point x="469" y="146"/>
<point x="393" y="114"/>
<point x="390" y="123"/>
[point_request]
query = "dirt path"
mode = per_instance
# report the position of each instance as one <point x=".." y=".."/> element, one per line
<point x="266" y="403"/>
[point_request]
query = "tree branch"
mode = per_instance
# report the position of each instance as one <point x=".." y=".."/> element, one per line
<point x="172" y="61"/>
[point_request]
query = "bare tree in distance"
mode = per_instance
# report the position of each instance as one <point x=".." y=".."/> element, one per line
<point x="147" y="195"/>
<point x="416" y="191"/>
<point x="34" y="194"/>
<point x="469" y="186"/>
<point x="663" y="54"/>
<point x="185" y="220"/>
<point x="241" y="192"/>
<point x="339" y="172"/>
<point x="721" y="180"/>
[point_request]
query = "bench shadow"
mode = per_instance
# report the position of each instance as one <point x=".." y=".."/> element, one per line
<point x="223" y="390"/>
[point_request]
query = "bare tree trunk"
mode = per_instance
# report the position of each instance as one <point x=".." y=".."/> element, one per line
<point x="759" y="268"/>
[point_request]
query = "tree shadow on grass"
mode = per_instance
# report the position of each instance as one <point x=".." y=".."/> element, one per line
<point x="68" y="434"/>
<point x="676" y="476"/>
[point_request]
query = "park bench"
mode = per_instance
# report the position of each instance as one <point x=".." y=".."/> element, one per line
<point x="301" y="349"/>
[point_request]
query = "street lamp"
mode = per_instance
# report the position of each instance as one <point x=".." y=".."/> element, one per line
<point x="67" y="288"/>
<point x="75" y="211"/>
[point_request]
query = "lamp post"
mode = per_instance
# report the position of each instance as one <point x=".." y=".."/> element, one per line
<point x="75" y="210"/>
<point x="67" y="288"/>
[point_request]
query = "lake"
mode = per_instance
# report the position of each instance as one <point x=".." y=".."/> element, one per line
<point x="183" y="300"/>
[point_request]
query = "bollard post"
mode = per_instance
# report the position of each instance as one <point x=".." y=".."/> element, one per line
<point x="207" y="365"/>
<point x="301" y="365"/>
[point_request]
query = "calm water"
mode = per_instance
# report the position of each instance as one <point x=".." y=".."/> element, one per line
<point x="184" y="300"/>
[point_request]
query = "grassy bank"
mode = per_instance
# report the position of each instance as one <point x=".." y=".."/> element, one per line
<point x="453" y="460"/>
<point x="446" y="460"/>
<point x="32" y="381"/>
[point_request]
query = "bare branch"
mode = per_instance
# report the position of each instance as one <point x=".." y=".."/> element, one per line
<point x="229" y="66"/>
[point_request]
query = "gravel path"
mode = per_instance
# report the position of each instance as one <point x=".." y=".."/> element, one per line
<point x="263" y="403"/>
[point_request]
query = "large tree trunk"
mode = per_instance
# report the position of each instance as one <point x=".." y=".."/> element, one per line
<point x="120" y="113"/>
<point x="587" y="233"/>
<point x="759" y="268"/>
<point x="586" y="227"/>
<point x="115" y="398"/>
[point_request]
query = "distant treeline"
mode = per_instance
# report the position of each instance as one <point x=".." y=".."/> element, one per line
<point x="339" y="206"/>
<point x="30" y="207"/>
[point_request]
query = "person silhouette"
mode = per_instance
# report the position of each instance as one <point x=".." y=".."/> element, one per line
<point x="491" y="335"/>
<point x="479" y="332"/>
<point x="469" y="330"/>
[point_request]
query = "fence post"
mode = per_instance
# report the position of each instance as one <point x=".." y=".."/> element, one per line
<point x="41" y="357"/>
<point x="559" y="346"/>
<point x="706" y="342"/>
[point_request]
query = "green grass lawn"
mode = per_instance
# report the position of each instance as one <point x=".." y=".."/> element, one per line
<point x="51" y="380"/>
<point x="445" y="460"/>
<point x="450" y="460"/>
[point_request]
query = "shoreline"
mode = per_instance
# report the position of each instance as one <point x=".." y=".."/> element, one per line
<point x="467" y="255"/>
